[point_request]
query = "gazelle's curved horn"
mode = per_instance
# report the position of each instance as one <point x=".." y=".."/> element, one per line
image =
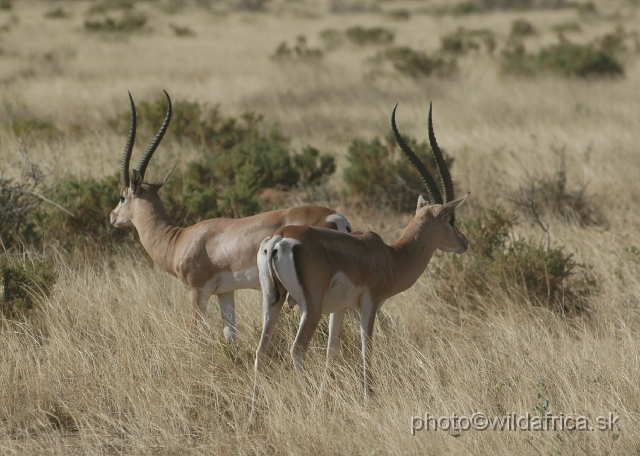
<point x="443" y="169"/>
<point x="146" y="157"/>
<point x="126" y="155"/>
<point x="432" y="188"/>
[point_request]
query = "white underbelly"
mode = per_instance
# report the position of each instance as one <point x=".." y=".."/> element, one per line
<point x="342" y="295"/>
<point x="227" y="281"/>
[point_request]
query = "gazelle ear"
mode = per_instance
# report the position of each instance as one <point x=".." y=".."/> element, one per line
<point x="160" y="182"/>
<point x="421" y="203"/>
<point x="451" y="206"/>
<point x="136" y="182"/>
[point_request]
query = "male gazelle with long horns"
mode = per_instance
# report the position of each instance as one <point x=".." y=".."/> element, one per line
<point x="214" y="256"/>
<point x="327" y="272"/>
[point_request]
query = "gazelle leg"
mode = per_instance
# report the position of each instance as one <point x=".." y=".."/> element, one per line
<point x="199" y="299"/>
<point x="335" y="328"/>
<point x="308" y="324"/>
<point x="271" y="313"/>
<point x="367" y="320"/>
<point x="228" y="312"/>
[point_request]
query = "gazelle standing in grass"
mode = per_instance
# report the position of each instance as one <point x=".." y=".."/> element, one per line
<point x="327" y="272"/>
<point x="216" y="256"/>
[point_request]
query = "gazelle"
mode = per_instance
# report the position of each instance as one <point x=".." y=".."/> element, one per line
<point x="214" y="256"/>
<point x="327" y="272"/>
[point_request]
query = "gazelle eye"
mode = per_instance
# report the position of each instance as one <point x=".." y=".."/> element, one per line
<point x="121" y="199"/>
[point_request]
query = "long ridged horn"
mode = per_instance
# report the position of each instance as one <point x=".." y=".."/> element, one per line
<point x="126" y="155"/>
<point x="432" y="188"/>
<point x="443" y="169"/>
<point x="153" y="145"/>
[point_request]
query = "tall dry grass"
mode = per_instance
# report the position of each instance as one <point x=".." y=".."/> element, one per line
<point x="106" y="365"/>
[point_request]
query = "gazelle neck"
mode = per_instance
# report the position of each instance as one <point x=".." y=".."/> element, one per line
<point x="158" y="234"/>
<point x="413" y="251"/>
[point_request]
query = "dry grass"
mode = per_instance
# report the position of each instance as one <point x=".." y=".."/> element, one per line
<point x="107" y="366"/>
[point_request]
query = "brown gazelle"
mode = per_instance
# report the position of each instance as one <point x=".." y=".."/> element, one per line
<point x="327" y="272"/>
<point x="214" y="256"/>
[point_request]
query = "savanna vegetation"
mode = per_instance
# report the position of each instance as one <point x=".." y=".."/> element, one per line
<point x="279" y="103"/>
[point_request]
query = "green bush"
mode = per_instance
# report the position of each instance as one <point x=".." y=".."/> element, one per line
<point x="564" y="58"/>
<point x="417" y="64"/>
<point x="300" y="52"/>
<point x="379" y="171"/>
<point x="463" y="8"/>
<point x="110" y="5"/>
<point x="91" y="202"/>
<point x="462" y="41"/>
<point x="570" y="59"/>
<point x="566" y="27"/>
<point x="373" y="35"/>
<point x="497" y="260"/>
<point x="313" y="168"/>
<point x="23" y="283"/>
<point x="128" y="22"/>
<point x="57" y="13"/>
<point x="521" y="28"/>
<point x="182" y="31"/>
<point x="551" y="196"/>
<point x="399" y="14"/>
<point x="36" y="126"/>
<point x="239" y="157"/>
<point x="331" y="38"/>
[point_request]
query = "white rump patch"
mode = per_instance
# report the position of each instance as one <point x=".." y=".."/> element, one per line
<point x="286" y="269"/>
<point x="341" y="222"/>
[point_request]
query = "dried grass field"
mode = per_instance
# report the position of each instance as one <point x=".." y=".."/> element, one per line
<point x="104" y="364"/>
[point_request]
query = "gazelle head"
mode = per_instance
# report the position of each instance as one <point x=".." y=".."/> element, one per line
<point x="438" y="207"/>
<point x="133" y="188"/>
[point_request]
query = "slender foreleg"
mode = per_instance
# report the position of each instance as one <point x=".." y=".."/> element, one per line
<point x="228" y="312"/>
<point x="199" y="299"/>
<point x="367" y="320"/>
<point x="335" y="328"/>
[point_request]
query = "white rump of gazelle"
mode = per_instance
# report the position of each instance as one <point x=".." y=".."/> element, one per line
<point x="327" y="272"/>
<point x="216" y="256"/>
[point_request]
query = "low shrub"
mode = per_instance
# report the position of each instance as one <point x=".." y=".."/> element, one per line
<point x="182" y="31"/>
<point x="313" y="168"/>
<point x="399" y="14"/>
<point x="35" y="126"/>
<point x="567" y="27"/>
<point x="416" y="64"/>
<point x="564" y="58"/>
<point x="128" y="22"/>
<point x="522" y="28"/>
<point x="550" y="195"/>
<point x="570" y="59"/>
<point x="331" y="38"/>
<point x="23" y="284"/>
<point x="57" y="13"/>
<point x="378" y="171"/>
<point x="373" y="35"/>
<point x="497" y="259"/>
<point x="239" y="158"/>
<point x="463" y="41"/>
<point x="300" y="52"/>
<point x="463" y="8"/>
<point x="109" y="5"/>
<point x="91" y="201"/>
